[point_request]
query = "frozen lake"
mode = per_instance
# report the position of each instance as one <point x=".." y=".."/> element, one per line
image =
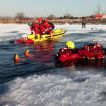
<point x="41" y="82"/>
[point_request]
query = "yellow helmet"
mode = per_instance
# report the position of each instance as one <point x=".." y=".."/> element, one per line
<point x="70" y="44"/>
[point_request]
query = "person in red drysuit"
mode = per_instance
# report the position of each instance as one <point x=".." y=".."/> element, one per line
<point x="24" y="40"/>
<point x="41" y="26"/>
<point x="45" y="27"/>
<point x="86" y="52"/>
<point x="94" y="51"/>
<point x="36" y="29"/>
<point x="48" y="27"/>
<point x="91" y="52"/>
<point x="97" y="49"/>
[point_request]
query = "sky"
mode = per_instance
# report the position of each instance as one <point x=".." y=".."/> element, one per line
<point x="35" y="8"/>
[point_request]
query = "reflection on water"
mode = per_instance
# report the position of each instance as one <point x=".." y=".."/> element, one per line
<point x="43" y="52"/>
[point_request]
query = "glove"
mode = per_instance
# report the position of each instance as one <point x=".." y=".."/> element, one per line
<point x="31" y="33"/>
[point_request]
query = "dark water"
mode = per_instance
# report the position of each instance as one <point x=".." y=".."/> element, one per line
<point x="41" y="61"/>
<point x="43" y="57"/>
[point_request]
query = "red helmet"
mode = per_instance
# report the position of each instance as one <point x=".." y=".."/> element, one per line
<point x="39" y="19"/>
<point x="46" y="20"/>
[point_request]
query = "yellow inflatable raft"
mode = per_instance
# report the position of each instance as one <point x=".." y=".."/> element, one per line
<point x="57" y="33"/>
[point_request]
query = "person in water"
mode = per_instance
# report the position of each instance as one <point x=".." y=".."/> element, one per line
<point x="69" y="53"/>
<point x="24" y="39"/>
<point x="91" y="52"/>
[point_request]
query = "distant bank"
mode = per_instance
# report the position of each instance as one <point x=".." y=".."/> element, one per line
<point x="72" y="20"/>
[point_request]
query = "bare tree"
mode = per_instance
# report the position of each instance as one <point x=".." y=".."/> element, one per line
<point x="50" y="17"/>
<point x="20" y="16"/>
<point x="67" y="16"/>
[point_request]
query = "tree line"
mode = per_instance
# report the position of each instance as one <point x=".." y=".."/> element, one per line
<point x="67" y="18"/>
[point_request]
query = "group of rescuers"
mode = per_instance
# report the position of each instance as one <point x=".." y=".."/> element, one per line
<point x="40" y="27"/>
<point x="89" y="51"/>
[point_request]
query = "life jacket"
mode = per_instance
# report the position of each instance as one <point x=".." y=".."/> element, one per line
<point x="98" y="51"/>
<point x="48" y="26"/>
<point x="42" y="29"/>
<point x="64" y="50"/>
<point x="97" y="47"/>
<point x="88" y="47"/>
<point x="29" y="41"/>
<point x="66" y="54"/>
<point x="92" y="51"/>
<point x="86" y="54"/>
<point x="36" y="28"/>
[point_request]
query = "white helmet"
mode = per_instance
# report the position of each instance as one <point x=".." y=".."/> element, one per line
<point x="24" y="36"/>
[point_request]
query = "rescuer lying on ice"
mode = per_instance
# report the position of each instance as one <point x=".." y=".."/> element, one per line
<point x="90" y="52"/>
